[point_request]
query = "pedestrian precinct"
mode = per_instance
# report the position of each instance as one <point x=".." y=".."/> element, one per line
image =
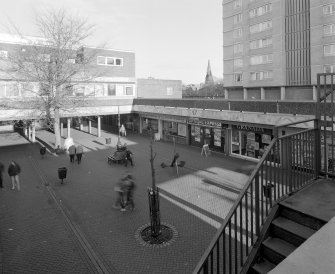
<point x="130" y="188"/>
<point x="13" y="171"/>
<point x="2" y="168"/>
<point x="72" y="153"/>
<point x="79" y="153"/>
<point x="123" y="131"/>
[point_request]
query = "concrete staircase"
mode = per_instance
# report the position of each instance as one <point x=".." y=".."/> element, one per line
<point x="288" y="230"/>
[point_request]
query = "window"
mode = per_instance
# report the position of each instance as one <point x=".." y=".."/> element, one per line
<point x="101" y="60"/>
<point x="238" y="48"/>
<point x="329" y="68"/>
<point x="260" y="11"/>
<point x="329" y="9"/>
<point x="261" y="26"/>
<point x="329" y="29"/>
<point x="109" y="61"/>
<point x="238" y="63"/>
<point x="111" y="90"/>
<point x="237" y="18"/>
<point x="237" y="33"/>
<point x="44" y="57"/>
<point x="238" y="77"/>
<point x="261" y="75"/>
<point x="237" y="4"/>
<point x="12" y="90"/>
<point x="71" y="61"/>
<point x="27" y="89"/>
<point x="329" y="50"/>
<point x="3" y="54"/>
<point x="169" y="91"/>
<point x="261" y="59"/>
<point x="261" y="43"/>
<point x="129" y="91"/>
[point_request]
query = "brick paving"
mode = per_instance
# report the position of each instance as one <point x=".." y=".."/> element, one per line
<point x="100" y="238"/>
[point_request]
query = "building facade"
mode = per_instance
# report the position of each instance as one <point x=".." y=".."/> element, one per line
<point x="273" y="49"/>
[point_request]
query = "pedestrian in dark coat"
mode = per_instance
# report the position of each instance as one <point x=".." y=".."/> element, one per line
<point x="2" y="168"/>
<point x="129" y="157"/>
<point x="130" y="188"/>
<point x="79" y="153"/>
<point x="13" y="171"/>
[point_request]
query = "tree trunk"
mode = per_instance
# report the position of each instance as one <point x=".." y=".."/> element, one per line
<point x="57" y="129"/>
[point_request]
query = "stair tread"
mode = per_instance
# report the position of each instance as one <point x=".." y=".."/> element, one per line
<point x="264" y="266"/>
<point x="280" y="246"/>
<point x="293" y="227"/>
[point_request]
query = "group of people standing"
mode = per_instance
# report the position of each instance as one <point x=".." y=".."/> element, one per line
<point x="76" y="152"/>
<point x="14" y="170"/>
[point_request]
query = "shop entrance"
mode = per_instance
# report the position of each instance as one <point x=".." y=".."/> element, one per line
<point x="214" y="137"/>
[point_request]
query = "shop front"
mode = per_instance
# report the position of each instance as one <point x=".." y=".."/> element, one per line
<point x="250" y="141"/>
<point x="175" y="130"/>
<point x="210" y="132"/>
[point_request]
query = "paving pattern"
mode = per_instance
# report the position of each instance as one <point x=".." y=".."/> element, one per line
<point x="49" y="227"/>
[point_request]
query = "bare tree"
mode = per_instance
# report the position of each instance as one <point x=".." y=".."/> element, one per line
<point x="54" y="67"/>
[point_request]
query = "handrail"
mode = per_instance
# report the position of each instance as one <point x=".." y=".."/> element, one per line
<point x="281" y="170"/>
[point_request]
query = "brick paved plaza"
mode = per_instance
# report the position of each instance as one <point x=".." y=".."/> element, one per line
<point x="49" y="227"/>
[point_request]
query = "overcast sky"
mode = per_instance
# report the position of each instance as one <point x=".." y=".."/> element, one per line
<point x="172" y="39"/>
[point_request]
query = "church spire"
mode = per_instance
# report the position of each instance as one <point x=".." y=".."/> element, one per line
<point x="209" y="77"/>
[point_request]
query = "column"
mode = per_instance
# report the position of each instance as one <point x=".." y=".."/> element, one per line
<point x="262" y="93"/>
<point x="81" y="124"/>
<point x="226" y="93"/>
<point x="68" y="127"/>
<point x="33" y="132"/>
<point x="89" y="126"/>
<point x="61" y="129"/>
<point x="315" y="93"/>
<point x="245" y="94"/>
<point x="282" y="93"/>
<point x="141" y="125"/>
<point x="28" y="132"/>
<point x="160" y="129"/>
<point x="188" y="141"/>
<point x="99" y="126"/>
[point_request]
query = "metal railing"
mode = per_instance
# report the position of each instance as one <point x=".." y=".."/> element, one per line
<point x="289" y="163"/>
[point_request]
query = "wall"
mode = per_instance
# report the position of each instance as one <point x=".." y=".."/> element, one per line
<point x="157" y="88"/>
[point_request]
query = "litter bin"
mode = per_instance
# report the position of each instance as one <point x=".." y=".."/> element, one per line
<point x="62" y="173"/>
<point x="108" y="141"/>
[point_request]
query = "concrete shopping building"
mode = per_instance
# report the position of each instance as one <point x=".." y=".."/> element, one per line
<point x="273" y="49"/>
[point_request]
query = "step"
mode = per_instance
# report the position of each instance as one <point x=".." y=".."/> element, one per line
<point x="301" y="218"/>
<point x="262" y="267"/>
<point x="290" y="231"/>
<point x="276" y="250"/>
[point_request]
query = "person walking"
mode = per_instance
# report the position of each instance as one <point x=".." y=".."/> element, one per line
<point x="2" y="168"/>
<point x="13" y="171"/>
<point x="79" y="153"/>
<point x="130" y="187"/>
<point x="72" y="153"/>
<point x="119" y="189"/>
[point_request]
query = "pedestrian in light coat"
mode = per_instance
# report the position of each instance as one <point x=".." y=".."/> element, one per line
<point x="72" y="153"/>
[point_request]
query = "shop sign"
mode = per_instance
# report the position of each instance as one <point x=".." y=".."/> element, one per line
<point x="250" y="128"/>
<point x="204" y="123"/>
